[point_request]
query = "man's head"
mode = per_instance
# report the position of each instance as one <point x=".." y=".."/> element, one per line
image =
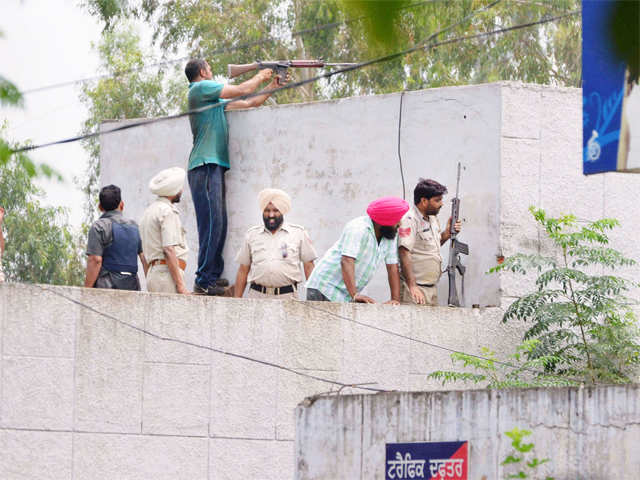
<point x="275" y="204"/>
<point x="272" y="217"/>
<point x="110" y="199"/>
<point x="198" y="69"/>
<point x="427" y="196"/>
<point x="386" y="213"/>
<point x="168" y="183"/>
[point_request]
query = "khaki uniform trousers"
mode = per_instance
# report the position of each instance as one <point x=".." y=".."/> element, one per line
<point x="159" y="279"/>
<point x="285" y="296"/>
<point x="430" y="295"/>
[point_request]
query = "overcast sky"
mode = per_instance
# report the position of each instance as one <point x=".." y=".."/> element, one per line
<point x="47" y="42"/>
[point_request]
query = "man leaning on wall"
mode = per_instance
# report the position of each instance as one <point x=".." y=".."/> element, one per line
<point x="113" y="246"/>
<point x="367" y="241"/>
<point x="419" y="242"/>
<point x="208" y="162"/>
<point x="163" y="239"/>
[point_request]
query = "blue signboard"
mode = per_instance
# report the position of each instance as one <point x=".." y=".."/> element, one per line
<point x="427" y="460"/>
<point x="602" y="89"/>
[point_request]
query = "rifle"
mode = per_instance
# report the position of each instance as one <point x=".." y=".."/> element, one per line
<point x="455" y="249"/>
<point x="280" y="67"/>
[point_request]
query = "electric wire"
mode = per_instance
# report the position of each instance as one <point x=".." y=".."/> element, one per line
<point x="404" y="195"/>
<point x="218" y="51"/>
<point x="288" y="86"/>
<point x="434" y="345"/>
<point x="362" y="386"/>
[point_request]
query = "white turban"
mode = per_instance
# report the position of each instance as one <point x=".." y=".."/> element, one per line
<point x="280" y="200"/>
<point x="168" y="182"/>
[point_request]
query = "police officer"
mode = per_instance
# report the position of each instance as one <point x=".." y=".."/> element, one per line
<point x="113" y="246"/>
<point x="419" y="242"/>
<point x="163" y="238"/>
<point x="271" y="255"/>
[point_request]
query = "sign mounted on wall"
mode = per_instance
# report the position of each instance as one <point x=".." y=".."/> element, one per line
<point x="611" y="94"/>
<point x="427" y="460"/>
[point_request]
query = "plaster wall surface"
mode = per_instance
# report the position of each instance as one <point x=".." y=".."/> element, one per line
<point x="108" y="384"/>
<point x="333" y="158"/>
<point x="586" y="433"/>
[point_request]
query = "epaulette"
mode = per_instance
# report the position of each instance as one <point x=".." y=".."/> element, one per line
<point x="294" y="225"/>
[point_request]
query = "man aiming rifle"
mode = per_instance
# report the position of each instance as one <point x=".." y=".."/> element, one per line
<point x="280" y="67"/>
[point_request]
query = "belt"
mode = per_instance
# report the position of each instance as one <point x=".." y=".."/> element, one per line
<point x="274" y="290"/>
<point x="426" y="284"/>
<point x="181" y="263"/>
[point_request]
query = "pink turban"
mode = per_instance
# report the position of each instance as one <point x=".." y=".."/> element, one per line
<point x="387" y="211"/>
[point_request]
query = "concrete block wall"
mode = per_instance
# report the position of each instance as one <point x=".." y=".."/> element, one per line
<point x="85" y="396"/>
<point x="586" y="433"/>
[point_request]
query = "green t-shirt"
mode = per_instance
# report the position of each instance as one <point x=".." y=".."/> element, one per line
<point x="209" y="128"/>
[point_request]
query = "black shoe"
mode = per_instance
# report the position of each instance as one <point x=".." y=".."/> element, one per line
<point x="222" y="282"/>
<point x="213" y="290"/>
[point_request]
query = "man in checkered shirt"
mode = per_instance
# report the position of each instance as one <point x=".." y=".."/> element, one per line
<point x="350" y="263"/>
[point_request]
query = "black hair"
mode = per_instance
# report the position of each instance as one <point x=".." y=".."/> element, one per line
<point x="110" y="198"/>
<point x="192" y="70"/>
<point x="427" y="189"/>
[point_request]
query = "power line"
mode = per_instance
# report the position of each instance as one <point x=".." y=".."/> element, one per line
<point x="434" y="345"/>
<point x="303" y="82"/>
<point x="218" y="51"/>
<point x="361" y="386"/>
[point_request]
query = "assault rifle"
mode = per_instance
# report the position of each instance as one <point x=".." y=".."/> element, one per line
<point x="455" y="249"/>
<point x="280" y="67"/>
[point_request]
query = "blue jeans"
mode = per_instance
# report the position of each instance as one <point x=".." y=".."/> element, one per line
<point x="208" y="193"/>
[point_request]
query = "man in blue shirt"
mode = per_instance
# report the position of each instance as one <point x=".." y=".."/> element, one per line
<point x="209" y="160"/>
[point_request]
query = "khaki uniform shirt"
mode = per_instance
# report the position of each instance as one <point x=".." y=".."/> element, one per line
<point x="161" y="227"/>
<point x="422" y="238"/>
<point x="275" y="258"/>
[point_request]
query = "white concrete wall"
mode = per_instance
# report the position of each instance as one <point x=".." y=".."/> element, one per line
<point x="587" y="433"/>
<point x="334" y="158"/>
<point x="83" y="396"/>
<point x="541" y="165"/>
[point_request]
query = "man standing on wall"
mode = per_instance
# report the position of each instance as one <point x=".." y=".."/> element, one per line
<point x="272" y="253"/>
<point x="163" y="238"/>
<point x="208" y="162"/>
<point x="419" y="242"/>
<point x="114" y="246"/>
<point x="350" y="263"/>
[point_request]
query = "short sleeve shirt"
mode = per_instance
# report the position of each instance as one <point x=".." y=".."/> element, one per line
<point x="421" y="236"/>
<point x="358" y="241"/>
<point x="209" y="127"/>
<point x="101" y="234"/>
<point x="161" y="227"/>
<point x="275" y="258"/>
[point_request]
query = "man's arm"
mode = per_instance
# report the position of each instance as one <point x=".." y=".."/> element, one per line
<point x="348" y="265"/>
<point x="241" y="280"/>
<point x="174" y="269"/>
<point x="394" y="283"/>
<point x="245" y="88"/>
<point x="446" y="234"/>
<point x="94" y="264"/>
<point x="308" y="268"/>
<point x="145" y="264"/>
<point x="407" y="271"/>
<point x="253" y="101"/>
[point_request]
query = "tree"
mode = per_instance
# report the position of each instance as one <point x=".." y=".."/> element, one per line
<point x="579" y="314"/>
<point x="583" y="328"/>
<point x="129" y="93"/>
<point x="40" y="247"/>
<point x="548" y="54"/>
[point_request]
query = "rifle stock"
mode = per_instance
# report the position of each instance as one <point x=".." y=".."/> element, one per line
<point x="237" y="70"/>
